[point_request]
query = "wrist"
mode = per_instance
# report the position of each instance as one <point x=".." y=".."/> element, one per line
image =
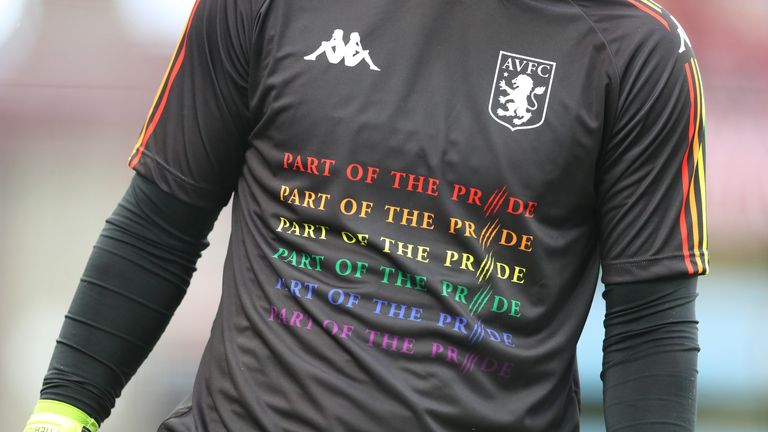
<point x="56" y="416"/>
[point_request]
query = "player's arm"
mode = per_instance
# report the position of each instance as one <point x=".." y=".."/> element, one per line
<point x="188" y="160"/>
<point x="650" y="354"/>
<point x="136" y="276"/>
<point x="651" y="194"/>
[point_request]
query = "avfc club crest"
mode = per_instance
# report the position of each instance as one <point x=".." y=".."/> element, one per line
<point x="520" y="91"/>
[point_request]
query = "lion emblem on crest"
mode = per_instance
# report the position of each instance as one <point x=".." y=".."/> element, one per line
<point x="516" y="98"/>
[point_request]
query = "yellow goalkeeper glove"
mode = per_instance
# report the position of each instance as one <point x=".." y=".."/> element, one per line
<point x="55" y="416"/>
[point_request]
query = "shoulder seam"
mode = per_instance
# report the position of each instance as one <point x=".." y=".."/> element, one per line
<point x="610" y="54"/>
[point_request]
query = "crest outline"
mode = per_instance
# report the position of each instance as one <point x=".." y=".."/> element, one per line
<point x="532" y="94"/>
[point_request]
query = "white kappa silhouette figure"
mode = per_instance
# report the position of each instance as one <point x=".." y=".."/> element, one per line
<point x="335" y="50"/>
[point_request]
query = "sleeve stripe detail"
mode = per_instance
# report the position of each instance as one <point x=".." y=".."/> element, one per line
<point x="157" y="96"/>
<point x="650" y="11"/>
<point x="702" y="176"/>
<point x="165" y="88"/>
<point x="700" y="165"/>
<point x="683" y="223"/>
<point x="691" y="192"/>
<point x="689" y="180"/>
<point x="653" y="5"/>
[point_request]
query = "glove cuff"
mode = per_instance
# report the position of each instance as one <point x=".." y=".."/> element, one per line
<point x="56" y="416"/>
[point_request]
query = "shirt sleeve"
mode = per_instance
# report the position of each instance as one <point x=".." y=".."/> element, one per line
<point x="651" y="178"/>
<point x="192" y="144"/>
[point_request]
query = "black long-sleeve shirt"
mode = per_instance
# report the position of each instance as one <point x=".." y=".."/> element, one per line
<point x="418" y="226"/>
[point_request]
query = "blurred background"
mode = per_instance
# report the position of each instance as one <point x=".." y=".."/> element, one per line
<point x="76" y="80"/>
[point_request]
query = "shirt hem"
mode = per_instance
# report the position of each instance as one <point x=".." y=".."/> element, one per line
<point x="178" y="185"/>
<point x="649" y="268"/>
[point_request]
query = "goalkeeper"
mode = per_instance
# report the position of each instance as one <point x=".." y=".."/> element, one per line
<point x="414" y="246"/>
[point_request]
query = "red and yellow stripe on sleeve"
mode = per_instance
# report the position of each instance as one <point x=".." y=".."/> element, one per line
<point x="161" y="97"/>
<point x="693" y="213"/>
<point x="653" y="9"/>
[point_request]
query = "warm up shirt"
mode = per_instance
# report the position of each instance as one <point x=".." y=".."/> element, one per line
<point x="424" y="192"/>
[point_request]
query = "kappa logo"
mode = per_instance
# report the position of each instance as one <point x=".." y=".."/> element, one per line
<point x="335" y="50"/>
<point x="520" y="92"/>
<point x="683" y="36"/>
